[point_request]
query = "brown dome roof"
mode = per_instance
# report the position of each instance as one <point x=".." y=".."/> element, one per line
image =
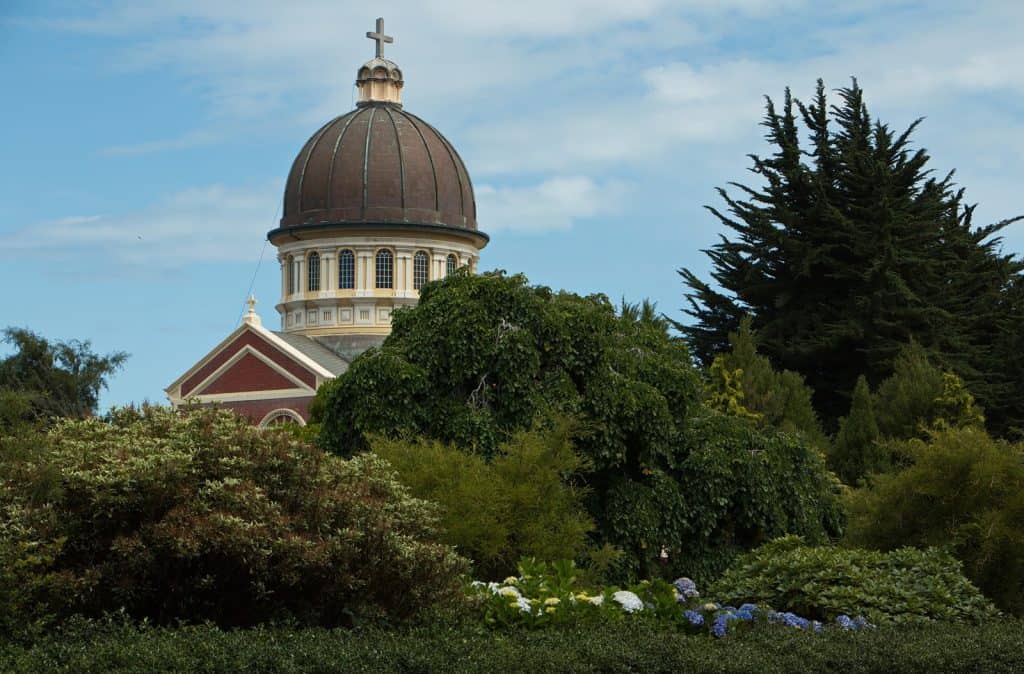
<point x="378" y="165"/>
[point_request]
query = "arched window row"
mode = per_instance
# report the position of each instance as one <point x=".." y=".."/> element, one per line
<point x="384" y="274"/>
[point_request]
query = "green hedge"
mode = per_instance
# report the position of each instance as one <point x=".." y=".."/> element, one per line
<point x="994" y="647"/>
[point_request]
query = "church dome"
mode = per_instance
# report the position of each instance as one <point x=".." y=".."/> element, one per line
<point x="378" y="164"/>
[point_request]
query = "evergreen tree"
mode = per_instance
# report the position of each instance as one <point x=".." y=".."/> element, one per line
<point x="851" y="249"/>
<point x="856" y="451"/>
<point x="778" y="399"/>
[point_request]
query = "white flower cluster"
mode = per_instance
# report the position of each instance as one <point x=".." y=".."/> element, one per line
<point x="630" y="602"/>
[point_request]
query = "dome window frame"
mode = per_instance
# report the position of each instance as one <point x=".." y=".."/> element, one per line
<point x="346" y="269"/>
<point x="313" y="272"/>
<point x="420" y="269"/>
<point x="384" y="269"/>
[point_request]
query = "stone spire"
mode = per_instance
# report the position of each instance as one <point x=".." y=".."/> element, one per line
<point x="379" y="80"/>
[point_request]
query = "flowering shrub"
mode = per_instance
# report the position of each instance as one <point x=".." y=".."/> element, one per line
<point x="547" y="594"/>
<point x="202" y="517"/>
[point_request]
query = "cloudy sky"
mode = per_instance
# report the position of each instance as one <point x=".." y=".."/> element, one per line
<point x="145" y="145"/>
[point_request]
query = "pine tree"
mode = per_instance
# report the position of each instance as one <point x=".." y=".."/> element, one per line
<point x="850" y="250"/>
<point x="856" y="451"/>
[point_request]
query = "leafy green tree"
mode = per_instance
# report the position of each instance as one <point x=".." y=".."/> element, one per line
<point x="480" y="359"/>
<point x="856" y="451"/>
<point x="849" y="250"/>
<point x="524" y="502"/>
<point x="964" y="491"/>
<point x="45" y="380"/>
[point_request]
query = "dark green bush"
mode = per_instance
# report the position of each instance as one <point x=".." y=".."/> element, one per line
<point x="964" y="491"/>
<point x="482" y="358"/>
<point x="200" y="516"/>
<point x="737" y="487"/>
<point x="624" y="647"/>
<point x="905" y="585"/>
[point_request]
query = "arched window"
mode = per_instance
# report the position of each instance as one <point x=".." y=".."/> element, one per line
<point x="281" y="416"/>
<point x="291" y="276"/>
<point x="313" y="277"/>
<point x="451" y="265"/>
<point x="346" y="270"/>
<point x="420" y="269"/>
<point x="385" y="269"/>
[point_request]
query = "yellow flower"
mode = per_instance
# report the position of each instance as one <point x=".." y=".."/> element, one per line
<point x="552" y="601"/>
<point x="511" y="580"/>
<point x="549" y="609"/>
<point x="710" y="607"/>
<point x="509" y="592"/>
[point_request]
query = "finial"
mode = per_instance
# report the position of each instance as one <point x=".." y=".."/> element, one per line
<point x="380" y="37"/>
<point x="379" y="80"/>
<point x="251" y="317"/>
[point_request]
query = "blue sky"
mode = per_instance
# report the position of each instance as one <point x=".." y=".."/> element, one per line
<point x="145" y="145"/>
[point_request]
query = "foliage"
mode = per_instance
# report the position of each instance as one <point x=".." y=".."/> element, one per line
<point x="905" y="585"/>
<point x="856" y="451"/>
<point x="481" y="358"/>
<point x="199" y="516"/>
<point x="525" y="502"/>
<point x="623" y="646"/>
<point x="736" y="488"/>
<point x="964" y="491"/>
<point x="849" y="249"/>
<point x="43" y="380"/>
<point x="780" y="399"/>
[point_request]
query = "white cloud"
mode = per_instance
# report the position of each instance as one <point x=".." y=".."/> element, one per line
<point x="204" y="224"/>
<point x="553" y="204"/>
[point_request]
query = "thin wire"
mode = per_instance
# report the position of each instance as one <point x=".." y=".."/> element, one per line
<point x="252" y="281"/>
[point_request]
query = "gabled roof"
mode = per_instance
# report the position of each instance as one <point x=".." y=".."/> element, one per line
<point x="315" y="351"/>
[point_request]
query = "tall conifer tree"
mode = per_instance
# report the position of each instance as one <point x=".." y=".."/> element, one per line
<point x="849" y="250"/>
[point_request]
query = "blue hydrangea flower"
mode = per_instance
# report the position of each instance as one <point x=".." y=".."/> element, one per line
<point x="720" y="626"/>
<point x="749" y="607"/>
<point x="694" y="617"/>
<point x="686" y="587"/>
<point x="744" y="614"/>
<point x="845" y="622"/>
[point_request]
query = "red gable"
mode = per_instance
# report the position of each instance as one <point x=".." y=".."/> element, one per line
<point x="248" y="376"/>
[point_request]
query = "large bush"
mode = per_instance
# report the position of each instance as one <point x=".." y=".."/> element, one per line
<point x="964" y="491"/>
<point x="523" y="503"/>
<point x="200" y="516"/>
<point x="905" y="585"/>
<point x="482" y="358"/>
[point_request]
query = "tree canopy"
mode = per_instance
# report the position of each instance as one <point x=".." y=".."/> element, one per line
<point x="482" y="358"/>
<point x="43" y="380"/>
<point x="850" y="249"/>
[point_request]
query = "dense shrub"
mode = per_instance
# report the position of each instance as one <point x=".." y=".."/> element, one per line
<point x="736" y="488"/>
<point x="522" y="503"/>
<point x="905" y="585"/>
<point x="857" y="451"/>
<point x="630" y="646"/>
<point x="482" y="358"/>
<point x="200" y="516"/>
<point x="964" y="491"/>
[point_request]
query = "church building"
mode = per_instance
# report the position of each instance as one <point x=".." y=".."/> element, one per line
<point x="377" y="203"/>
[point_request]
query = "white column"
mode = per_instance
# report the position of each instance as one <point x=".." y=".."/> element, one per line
<point x="328" y="277"/>
<point x="364" y="272"/>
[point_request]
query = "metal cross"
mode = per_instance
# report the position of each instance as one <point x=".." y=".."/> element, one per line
<point x="380" y="37"/>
